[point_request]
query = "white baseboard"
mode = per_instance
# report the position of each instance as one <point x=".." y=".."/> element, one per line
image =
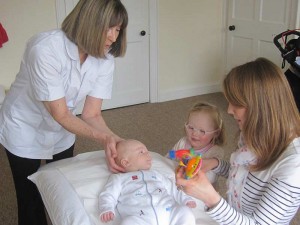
<point x="174" y="94"/>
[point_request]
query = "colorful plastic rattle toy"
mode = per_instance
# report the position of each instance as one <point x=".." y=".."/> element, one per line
<point x="188" y="159"/>
<point x="192" y="166"/>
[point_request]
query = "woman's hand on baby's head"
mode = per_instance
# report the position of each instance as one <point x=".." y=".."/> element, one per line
<point x="107" y="216"/>
<point x="111" y="154"/>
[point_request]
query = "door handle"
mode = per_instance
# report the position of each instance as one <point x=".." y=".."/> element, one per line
<point x="143" y="33"/>
<point x="231" y="27"/>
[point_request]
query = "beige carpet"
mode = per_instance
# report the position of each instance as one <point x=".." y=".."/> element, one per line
<point x="158" y="125"/>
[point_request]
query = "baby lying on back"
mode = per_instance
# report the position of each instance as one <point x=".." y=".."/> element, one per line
<point x="142" y="195"/>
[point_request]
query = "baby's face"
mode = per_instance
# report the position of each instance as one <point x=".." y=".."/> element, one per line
<point x="139" y="156"/>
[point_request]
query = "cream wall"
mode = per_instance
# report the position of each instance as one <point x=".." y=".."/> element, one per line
<point x="21" y="19"/>
<point x="189" y="36"/>
<point x="190" y="47"/>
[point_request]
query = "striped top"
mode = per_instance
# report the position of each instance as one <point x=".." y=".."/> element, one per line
<point x="271" y="196"/>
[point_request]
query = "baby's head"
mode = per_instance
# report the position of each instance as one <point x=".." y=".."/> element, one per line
<point x="204" y="125"/>
<point x="133" y="155"/>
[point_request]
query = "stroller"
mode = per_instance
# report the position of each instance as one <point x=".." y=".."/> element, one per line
<point x="291" y="53"/>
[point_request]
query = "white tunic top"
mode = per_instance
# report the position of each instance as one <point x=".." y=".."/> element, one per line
<point x="50" y="70"/>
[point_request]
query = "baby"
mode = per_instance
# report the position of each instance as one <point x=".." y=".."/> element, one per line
<point x="142" y="195"/>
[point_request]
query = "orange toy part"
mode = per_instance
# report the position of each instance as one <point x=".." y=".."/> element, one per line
<point x="193" y="166"/>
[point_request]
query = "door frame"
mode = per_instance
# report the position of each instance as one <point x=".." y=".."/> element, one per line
<point x="62" y="5"/>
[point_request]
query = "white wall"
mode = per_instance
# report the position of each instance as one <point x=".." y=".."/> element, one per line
<point x="190" y="35"/>
<point x="190" y="47"/>
<point x="21" y="19"/>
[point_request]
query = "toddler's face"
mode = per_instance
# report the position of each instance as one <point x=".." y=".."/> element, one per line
<point x="200" y="129"/>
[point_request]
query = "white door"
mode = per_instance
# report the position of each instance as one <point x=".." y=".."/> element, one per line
<point x="131" y="78"/>
<point x="251" y="27"/>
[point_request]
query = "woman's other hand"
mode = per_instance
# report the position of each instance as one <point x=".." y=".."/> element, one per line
<point x="111" y="154"/>
<point x="198" y="187"/>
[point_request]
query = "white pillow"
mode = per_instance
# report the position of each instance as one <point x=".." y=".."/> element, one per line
<point x="70" y="188"/>
<point x="60" y="198"/>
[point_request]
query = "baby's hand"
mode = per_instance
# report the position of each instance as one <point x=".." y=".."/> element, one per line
<point x="106" y="217"/>
<point x="191" y="204"/>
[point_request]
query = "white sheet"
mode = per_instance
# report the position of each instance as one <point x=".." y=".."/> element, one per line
<point x="70" y="188"/>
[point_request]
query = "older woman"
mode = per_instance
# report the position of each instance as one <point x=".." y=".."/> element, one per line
<point x="60" y="70"/>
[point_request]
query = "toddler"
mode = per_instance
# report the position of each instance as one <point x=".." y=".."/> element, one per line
<point x="204" y="132"/>
<point x="141" y="195"/>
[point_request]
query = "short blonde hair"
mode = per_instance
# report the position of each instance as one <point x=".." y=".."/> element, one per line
<point x="272" y="118"/>
<point x="88" y="23"/>
<point x="215" y="114"/>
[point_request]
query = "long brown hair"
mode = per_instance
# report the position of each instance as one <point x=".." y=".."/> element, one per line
<point x="272" y="119"/>
<point x="89" y="21"/>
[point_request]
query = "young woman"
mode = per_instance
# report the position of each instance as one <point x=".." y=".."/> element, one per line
<point x="60" y="70"/>
<point x="263" y="173"/>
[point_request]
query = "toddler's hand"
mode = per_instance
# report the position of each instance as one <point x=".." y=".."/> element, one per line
<point x="191" y="204"/>
<point x="106" y="217"/>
